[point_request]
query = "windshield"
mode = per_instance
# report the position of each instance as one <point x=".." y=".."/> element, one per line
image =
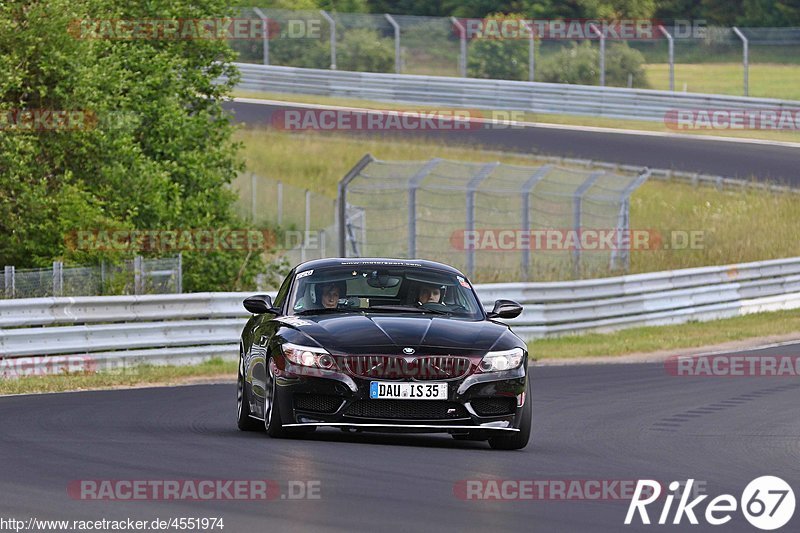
<point x="378" y="289"/>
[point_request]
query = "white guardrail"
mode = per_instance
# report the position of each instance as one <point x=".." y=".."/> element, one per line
<point x="41" y="335"/>
<point x="474" y="93"/>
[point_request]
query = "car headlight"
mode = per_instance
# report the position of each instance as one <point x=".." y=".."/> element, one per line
<point x="309" y="356"/>
<point x="502" y="360"/>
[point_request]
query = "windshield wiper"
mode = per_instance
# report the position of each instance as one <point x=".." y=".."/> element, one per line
<point x="406" y="309"/>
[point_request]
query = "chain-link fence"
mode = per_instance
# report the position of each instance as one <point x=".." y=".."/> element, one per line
<point x="137" y="276"/>
<point x="681" y="56"/>
<point x="303" y="221"/>
<point x="494" y="221"/>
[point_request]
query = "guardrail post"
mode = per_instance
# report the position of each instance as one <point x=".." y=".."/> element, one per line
<point x="576" y="219"/>
<point x="745" y="59"/>
<point x="264" y="34"/>
<point x="472" y="189"/>
<point x="332" y="24"/>
<point x="527" y="187"/>
<point x="413" y="185"/>
<point x="602" y="67"/>
<point x="396" y="26"/>
<point x="10" y="282"/>
<point x="179" y="274"/>
<point x="671" y="45"/>
<point x="58" y="278"/>
<point x="138" y="275"/>
<point x="462" y="57"/>
<point x="341" y="200"/>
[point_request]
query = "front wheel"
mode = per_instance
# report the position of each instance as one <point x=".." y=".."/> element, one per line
<point x="243" y="419"/>
<point x="519" y="439"/>
<point x="273" y="422"/>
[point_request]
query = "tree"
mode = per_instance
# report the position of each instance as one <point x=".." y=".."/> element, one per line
<point x="156" y="154"/>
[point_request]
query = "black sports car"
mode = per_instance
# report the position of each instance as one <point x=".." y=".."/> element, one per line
<point x="383" y="345"/>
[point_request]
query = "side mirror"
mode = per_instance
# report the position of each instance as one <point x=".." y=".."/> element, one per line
<point x="260" y="304"/>
<point x="505" y="309"/>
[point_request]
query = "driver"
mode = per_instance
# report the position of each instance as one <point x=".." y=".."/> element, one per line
<point x="328" y="294"/>
<point x="429" y="293"/>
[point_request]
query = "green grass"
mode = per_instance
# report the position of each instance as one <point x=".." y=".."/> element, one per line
<point x="766" y="80"/>
<point x="737" y="226"/>
<point x="569" y="120"/>
<point x="683" y="336"/>
<point x="135" y="376"/>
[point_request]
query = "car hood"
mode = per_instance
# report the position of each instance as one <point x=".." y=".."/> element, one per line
<point x="358" y="333"/>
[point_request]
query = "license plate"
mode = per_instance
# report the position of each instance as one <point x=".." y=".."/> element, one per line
<point x="381" y="390"/>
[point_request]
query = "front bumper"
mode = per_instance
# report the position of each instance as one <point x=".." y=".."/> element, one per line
<point x="488" y="403"/>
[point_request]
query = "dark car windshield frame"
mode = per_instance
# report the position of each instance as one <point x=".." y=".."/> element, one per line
<point x="389" y="289"/>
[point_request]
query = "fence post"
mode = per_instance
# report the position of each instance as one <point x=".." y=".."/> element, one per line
<point x="280" y="203"/>
<point x="253" y="185"/>
<point x="462" y="58"/>
<point x="602" y="67"/>
<point x="472" y="189"/>
<point x="413" y="185"/>
<point x="58" y="278"/>
<point x="531" y="52"/>
<point x="576" y="219"/>
<point x="307" y="227"/>
<point x="264" y="34"/>
<point x="341" y="200"/>
<point x="623" y="245"/>
<point x="179" y="274"/>
<point x="745" y="59"/>
<point x="671" y="44"/>
<point x="137" y="275"/>
<point x="527" y="187"/>
<point x="396" y="26"/>
<point x="332" y="24"/>
<point x="10" y="282"/>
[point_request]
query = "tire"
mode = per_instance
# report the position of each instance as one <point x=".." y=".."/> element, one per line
<point x="243" y="418"/>
<point x="272" y="412"/>
<point x="519" y="439"/>
<point x="272" y="418"/>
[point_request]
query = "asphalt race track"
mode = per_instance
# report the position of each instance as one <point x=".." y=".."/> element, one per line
<point x="610" y="422"/>
<point x="724" y="158"/>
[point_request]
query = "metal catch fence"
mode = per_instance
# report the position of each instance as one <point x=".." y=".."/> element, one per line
<point x="493" y="221"/>
<point x="137" y="276"/>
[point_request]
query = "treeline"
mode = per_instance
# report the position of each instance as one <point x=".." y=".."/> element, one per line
<point x="762" y="13"/>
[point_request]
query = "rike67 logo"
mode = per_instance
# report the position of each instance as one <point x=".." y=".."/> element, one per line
<point x="767" y="502"/>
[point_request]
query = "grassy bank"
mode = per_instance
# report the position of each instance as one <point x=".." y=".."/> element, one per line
<point x="683" y="336"/>
<point x="766" y="80"/>
<point x="130" y="377"/>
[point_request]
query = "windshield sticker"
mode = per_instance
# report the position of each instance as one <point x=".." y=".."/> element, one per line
<point x="304" y="274"/>
<point x="463" y="282"/>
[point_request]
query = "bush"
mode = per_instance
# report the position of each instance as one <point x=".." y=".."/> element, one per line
<point x="364" y="50"/>
<point x="502" y="59"/>
<point x="579" y="64"/>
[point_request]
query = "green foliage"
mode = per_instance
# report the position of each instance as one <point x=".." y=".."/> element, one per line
<point x="579" y="64"/>
<point x="498" y="58"/>
<point x="159" y="156"/>
<point x="363" y="50"/>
